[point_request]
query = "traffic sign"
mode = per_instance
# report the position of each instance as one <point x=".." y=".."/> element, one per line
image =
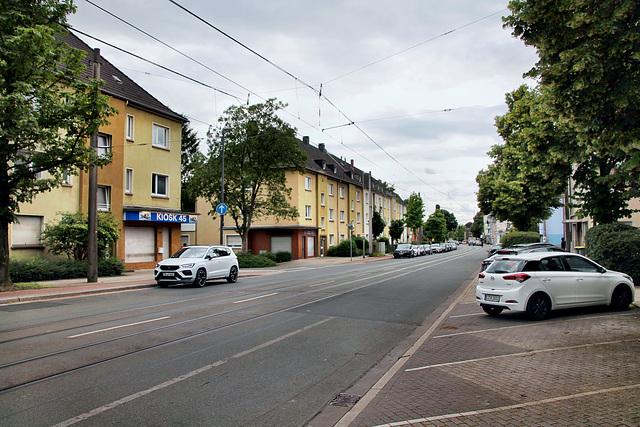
<point x="221" y="209"/>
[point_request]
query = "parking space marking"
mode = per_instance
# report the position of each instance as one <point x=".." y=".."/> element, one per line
<point x="118" y="327"/>
<point x="509" y="407"/>
<point x="524" y="353"/>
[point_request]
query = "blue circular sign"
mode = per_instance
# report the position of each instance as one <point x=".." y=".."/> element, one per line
<point x="221" y="209"/>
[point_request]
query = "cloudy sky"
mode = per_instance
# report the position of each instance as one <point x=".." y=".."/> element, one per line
<point x="421" y="79"/>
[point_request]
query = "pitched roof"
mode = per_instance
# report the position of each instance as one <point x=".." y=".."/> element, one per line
<point x="119" y="85"/>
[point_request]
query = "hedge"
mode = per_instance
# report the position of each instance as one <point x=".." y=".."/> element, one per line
<point x="519" y="237"/>
<point x="249" y="260"/>
<point x="38" y="269"/>
<point x="615" y="246"/>
<point x="345" y="249"/>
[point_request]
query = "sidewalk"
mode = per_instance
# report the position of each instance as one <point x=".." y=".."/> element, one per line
<point x="136" y="279"/>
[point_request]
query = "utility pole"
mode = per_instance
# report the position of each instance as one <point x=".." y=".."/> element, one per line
<point x="222" y="191"/>
<point x="370" y="216"/>
<point x="92" y="244"/>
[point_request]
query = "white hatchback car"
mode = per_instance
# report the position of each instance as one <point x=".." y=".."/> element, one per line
<point x="196" y="265"/>
<point x="538" y="282"/>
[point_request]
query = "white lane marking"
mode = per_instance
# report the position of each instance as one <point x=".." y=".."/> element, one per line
<point x="183" y="377"/>
<point x="255" y="298"/>
<point x="467" y="315"/>
<point x="323" y="283"/>
<point x="118" y="327"/>
<point x="524" y="353"/>
<point x="510" y="407"/>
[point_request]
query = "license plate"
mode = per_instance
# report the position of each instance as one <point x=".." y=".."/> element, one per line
<point x="168" y="274"/>
<point x="492" y="298"/>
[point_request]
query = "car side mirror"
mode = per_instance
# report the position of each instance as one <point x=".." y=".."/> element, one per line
<point x="208" y="257"/>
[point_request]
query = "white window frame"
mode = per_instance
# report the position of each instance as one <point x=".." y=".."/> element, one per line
<point x="321" y="199"/>
<point x="322" y="224"/>
<point x="307" y="211"/>
<point x="155" y="141"/>
<point x="130" y="127"/>
<point x="341" y="216"/>
<point x="234" y="241"/>
<point x="332" y="240"/>
<point x="341" y="191"/>
<point x="331" y="213"/>
<point x="154" y="185"/>
<point x="307" y="183"/>
<point x="104" y="144"/>
<point x="128" y="181"/>
<point x="67" y="178"/>
<point x="105" y="192"/>
<point x="24" y="234"/>
<point x="357" y="196"/>
<point x="331" y="190"/>
<point x="353" y="205"/>
<point x="358" y="217"/>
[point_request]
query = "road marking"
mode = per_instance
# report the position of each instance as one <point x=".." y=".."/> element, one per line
<point x="255" y="298"/>
<point x="323" y="283"/>
<point x="524" y="353"/>
<point x="118" y="327"/>
<point x="510" y="407"/>
<point x="467" y="315"/>
<point x="181" y="378"/>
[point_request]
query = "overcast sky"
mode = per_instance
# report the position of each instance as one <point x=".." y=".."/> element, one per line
<point x="423" y="80"/>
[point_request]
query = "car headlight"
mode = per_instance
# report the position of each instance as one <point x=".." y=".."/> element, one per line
<point x="190" y="265"/>
<point x="157" y="266"/>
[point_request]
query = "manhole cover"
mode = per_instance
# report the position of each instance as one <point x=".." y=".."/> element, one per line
<point x="346" y="400"/>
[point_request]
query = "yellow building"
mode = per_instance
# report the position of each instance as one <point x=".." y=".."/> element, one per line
<point x="331" y="196"/>
<point x="140" y="187"/>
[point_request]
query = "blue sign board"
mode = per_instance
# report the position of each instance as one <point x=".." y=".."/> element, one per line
<point x="221" y="209"/>
<point x="160" y="217"/>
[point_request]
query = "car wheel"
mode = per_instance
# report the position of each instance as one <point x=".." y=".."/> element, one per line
<point x="163" y="285"/>
<point x="201" y="278"/>
<point x="233" y="275"/>
<point x="621" y="298"/>
<point x="491" y="310"/>
<point x="538" y="307"/>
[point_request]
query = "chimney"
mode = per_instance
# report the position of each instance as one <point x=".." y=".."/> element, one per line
<point x="305" y="139"/>
<point x="321" y="147"/>
<point x="352" y="167"/>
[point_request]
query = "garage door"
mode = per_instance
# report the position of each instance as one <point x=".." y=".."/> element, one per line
<point x="139" y="244"/>
<point x="281" y="244"/>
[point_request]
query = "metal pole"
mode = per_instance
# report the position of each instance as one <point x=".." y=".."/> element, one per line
<point x="222" y="191"/>
<point x="92" y="243"/>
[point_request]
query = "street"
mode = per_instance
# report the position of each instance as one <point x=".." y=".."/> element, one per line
<point x="270" y="350"/>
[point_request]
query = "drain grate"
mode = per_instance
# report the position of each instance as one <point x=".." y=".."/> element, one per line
<point x="346" y="400"/>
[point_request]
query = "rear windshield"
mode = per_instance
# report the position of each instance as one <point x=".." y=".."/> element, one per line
<point x="505" y="266"/>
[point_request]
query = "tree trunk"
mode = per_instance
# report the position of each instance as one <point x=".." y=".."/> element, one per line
<point x="4" y="254"/>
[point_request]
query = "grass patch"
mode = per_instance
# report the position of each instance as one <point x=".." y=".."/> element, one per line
<point x="22" y="287"/>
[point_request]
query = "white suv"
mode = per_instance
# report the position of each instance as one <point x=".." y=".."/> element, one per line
<point x="196" y="265"/>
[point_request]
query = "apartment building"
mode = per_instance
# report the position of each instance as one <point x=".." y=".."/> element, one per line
<point x="140" y="187"/>
<point x="331" y="197"/>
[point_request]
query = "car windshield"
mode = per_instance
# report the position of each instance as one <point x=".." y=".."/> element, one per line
<point x="502" y="266"/>
<point x="404" y="246"/>
<point x="190" y="252"/>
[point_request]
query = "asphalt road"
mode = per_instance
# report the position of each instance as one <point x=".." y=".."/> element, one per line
<point x="270" y="350"/>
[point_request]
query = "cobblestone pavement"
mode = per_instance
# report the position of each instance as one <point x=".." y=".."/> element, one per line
<point x="579" y="367"/>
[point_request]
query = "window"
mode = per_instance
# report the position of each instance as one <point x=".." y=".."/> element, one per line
<point x="341" y="237"/>
<point x="104" y="198"/>
<point x="67" y="178"/>
<point x="321" y="199"/>
<point x="331" y="190"/>
<point x="358" y="217"/>
<point x="322" y="223"/>
<point x="357" y="196"/>
<point x="581" y="265"/>
<point x="129" y="127"/>
<point x="159" y="185"/>
<point x="332" y="240"/>
<point x="104" y="144"/>
<point x="366" y="218"/>
<point x="353" y="205"/>
<point x="307" y="211"/>
<point x="341" y="192"/>
<point x="26" y="230"/>
<point x="128" y="181"/>
<point x="160" y="136"/>
<point x="234" y="241"/>
<point x="341" y="216"/>
<point x="330" y="214"/>
<point x="307" y="183"/>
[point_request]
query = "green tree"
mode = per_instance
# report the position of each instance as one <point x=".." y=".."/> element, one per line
<point x="530" y="170"/>
<point x="48" y="110"/>
<point x="477" y="228"/>
<point x="415" y="213"/>
<point x="458" y="233"/>
<point x="261" y="148"/>
<point x="435" y="229"/>
<point x="452" y="222"/>
<point x="190" y="149"/>
<point x="69" y="236"/>
<point x="588" y="70"/>
<point x="396" y="228"/>
<point x="378" y="224"/>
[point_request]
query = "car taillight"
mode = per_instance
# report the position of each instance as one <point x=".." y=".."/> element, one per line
<point x="481" y="276"/>
<point x="519" y="277"/>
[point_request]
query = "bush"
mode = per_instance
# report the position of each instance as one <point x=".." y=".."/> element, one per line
<point x="249" y="260"/>
<point x="616" y="247"/>
<point x="283" y="256"/>
<point x="269" y="255"/>
<point x="361" y="243"/>
<point x="38" y="269"/>
<point x="519" y="237"/>
<point x="345" y="249"/>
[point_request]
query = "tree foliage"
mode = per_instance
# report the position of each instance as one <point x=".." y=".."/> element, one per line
<point x="190" y="148"/>
<point x="377" y="224"/>
<point x="70" y="235"/>
<point x="396" y="228"/>
<point x="477" y="228"/>
<point x="259" y="149"/>
<point x="47" y="109"/>
<point x="589" y="73"/>
<point x="452" y="222"/>
<point x="435" y="229"/>
<point x="415" y="213"/>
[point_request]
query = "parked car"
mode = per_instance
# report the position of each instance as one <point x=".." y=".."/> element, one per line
<point x="520" y="249"/>
<point x="427" y="249"/>
<point x="197" y="264"/>
<point x="403" y="250"/>
<point x="538" y="282"/>
<point x="416" y="250"/>
<point x="495" y="248"/>
<point x="436" y="248"/>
